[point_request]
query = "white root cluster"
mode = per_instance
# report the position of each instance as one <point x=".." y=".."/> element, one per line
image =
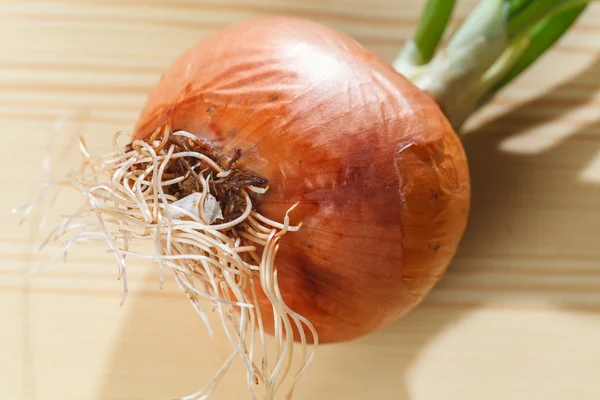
<point x="127" y="200"/>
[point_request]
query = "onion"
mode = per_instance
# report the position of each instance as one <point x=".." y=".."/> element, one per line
<point x="380" y="176"/>
<point x="298" y="182"/>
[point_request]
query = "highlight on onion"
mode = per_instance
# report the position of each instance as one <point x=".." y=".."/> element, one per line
<point x="297" y="183"/>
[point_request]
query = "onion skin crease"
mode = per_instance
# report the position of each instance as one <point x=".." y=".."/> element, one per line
<point x="381" y="176"/>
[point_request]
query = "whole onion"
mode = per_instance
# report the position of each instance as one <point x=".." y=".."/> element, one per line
<point x="380" y="175"/>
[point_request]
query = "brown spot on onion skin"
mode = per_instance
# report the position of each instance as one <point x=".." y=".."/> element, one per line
<point x="355" y="143"/>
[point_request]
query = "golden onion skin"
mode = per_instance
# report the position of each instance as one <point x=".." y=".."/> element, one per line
<point x="380" y="175"/>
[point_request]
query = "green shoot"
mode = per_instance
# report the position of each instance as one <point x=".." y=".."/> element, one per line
<point x="541" y="37"/>
<point x="431" y="28"/>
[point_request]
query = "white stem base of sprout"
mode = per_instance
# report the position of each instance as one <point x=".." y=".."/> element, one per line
<point x="126" y="201"/>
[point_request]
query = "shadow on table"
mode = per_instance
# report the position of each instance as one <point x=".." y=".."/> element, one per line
<point x="494" y="177"/>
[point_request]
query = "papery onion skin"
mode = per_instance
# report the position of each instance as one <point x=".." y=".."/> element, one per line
<point x="381" y="177"/>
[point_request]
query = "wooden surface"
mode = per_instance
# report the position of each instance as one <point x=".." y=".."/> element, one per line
<point x="516" y="317"/>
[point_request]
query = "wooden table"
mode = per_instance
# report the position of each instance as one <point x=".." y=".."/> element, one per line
<point x="516" y="317"/>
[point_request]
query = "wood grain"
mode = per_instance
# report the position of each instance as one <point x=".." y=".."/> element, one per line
<point x="516" y="317"/>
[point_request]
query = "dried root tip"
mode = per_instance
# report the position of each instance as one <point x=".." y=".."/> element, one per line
<point x="170" y="191"/>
